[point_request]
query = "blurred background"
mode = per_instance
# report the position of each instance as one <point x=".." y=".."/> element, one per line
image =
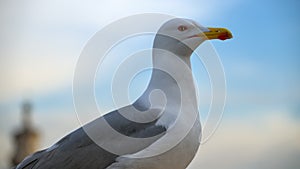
<point x="40" y="42"/>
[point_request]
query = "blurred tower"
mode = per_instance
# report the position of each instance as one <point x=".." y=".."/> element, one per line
<point x="26" y="140"/>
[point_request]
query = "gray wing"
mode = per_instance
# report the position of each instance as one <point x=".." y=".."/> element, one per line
<point x="77" y="150"/>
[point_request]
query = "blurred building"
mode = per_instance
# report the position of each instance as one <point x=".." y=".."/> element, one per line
<point x="26" y="139"/>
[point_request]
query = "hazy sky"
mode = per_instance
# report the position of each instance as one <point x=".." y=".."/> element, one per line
<point x="42" y="40"/>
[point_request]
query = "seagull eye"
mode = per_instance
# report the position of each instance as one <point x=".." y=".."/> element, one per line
<point x="182" y="28"/>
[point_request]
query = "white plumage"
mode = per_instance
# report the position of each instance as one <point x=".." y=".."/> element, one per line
<point x="176" y="38"/>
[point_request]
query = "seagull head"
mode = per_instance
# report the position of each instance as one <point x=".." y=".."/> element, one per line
<point x="183" y="36"/>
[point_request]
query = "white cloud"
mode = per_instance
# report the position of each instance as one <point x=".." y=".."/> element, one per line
<point x="268" y="141"/>
<point x="95" y="12"/>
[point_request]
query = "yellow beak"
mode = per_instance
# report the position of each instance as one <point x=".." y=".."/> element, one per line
<point x="217" y="33"/>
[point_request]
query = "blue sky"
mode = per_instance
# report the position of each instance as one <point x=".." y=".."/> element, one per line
<point x="43" y="40"/>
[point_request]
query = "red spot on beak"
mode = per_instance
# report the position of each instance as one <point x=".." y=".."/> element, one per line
<point x="223" y="36"/>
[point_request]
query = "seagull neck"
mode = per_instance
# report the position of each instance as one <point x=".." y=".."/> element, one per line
<point x="177" y="85"/>
<point x="171" y="74"/>
<point x="169" y="69"/>
<point x="164" y="58"/>
<point x="172" y="78"/>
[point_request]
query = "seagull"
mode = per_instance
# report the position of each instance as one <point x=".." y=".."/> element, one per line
<point x="151" y="120"/>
